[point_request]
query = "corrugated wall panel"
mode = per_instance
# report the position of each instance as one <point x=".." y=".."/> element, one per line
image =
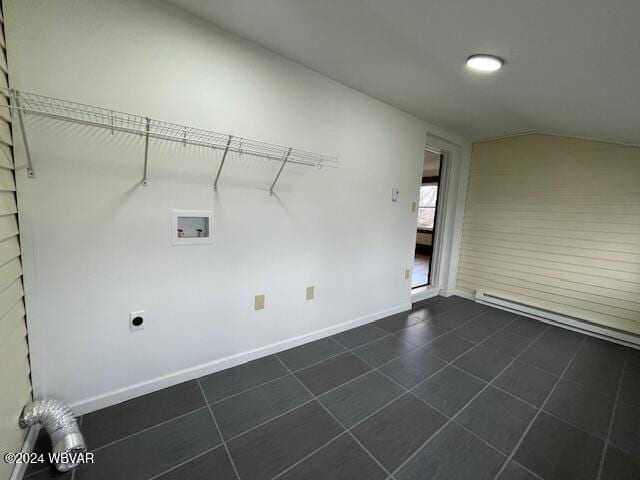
<point x="554" y="222"/>
<point x="15" y="382"/>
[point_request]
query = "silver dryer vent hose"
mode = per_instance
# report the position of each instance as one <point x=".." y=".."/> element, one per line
<point x="59" y="422"/>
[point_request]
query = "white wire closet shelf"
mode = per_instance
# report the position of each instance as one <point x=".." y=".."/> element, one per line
<point x="25" y="103"/>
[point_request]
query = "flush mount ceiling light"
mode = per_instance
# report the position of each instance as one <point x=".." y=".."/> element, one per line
<point x="484" y="63"/>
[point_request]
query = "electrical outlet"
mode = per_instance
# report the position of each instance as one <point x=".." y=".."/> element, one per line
<point x="310" y="293"/>
<point x="136" y="321"/>
<point x="259" y="303"/>
<point x="407" y="274"/>
<point x="413" y="206"/>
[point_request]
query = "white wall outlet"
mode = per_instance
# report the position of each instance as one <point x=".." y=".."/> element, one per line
<point x="395" y="193"/>
<point x="407" y="274"/>
<point x="310" y="293"/>
<point x="136" y="321"/>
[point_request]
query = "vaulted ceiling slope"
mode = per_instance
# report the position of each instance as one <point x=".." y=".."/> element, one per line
<point x="572" y="66"/>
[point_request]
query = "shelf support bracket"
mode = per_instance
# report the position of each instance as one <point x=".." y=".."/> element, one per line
<point x="23" y="132"/>
<point x="145" y="182"/>
<point x="284" y="162"/>
<point x="224" y="157"/>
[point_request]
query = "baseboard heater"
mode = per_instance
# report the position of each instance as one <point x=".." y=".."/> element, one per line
<point x="563" y="321"/>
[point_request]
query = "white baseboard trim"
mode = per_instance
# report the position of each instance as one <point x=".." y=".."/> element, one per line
<point x="113" y="397"/>
<point x="27" y="447"/>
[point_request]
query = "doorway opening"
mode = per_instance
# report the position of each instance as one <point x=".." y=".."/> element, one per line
<point x="427" y="214"/>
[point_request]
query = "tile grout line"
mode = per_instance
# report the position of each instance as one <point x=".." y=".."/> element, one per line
<point x="309" y="455"/>
<point x="408" y="391"/>
<point x="413" y="455"/>
<point x="613" y="416"/>
<point x="342" y="425"/>
<point x="537" y="414"/>
<point x="387" y="334"/>
<point x="246" y="390"/>
<point x="215" y="422"/>
<point x="347" y="350"/>
<point x="164" y="422"/>
<point x="178" y="465"/>
<point x="372" y="368"/>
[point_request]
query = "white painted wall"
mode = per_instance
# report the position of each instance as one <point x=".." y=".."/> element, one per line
<point x="97" y="245"/>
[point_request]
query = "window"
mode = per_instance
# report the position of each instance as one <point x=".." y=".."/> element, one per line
<point x="427" y="206"/>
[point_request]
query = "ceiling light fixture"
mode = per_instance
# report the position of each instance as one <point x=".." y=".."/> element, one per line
<point x="484" y="63"/>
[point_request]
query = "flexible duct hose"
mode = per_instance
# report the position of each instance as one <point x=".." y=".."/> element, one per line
<point x="59" y="422"/>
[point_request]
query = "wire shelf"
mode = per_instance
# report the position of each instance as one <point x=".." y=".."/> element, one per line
<point x="116" y="121"/>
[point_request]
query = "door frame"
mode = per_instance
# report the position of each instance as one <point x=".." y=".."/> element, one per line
<point x="447" y="234"/>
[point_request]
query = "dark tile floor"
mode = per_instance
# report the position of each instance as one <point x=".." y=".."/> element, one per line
<point x="449" y="390"/>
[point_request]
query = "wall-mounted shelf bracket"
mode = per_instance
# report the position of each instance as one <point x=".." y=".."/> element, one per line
<point x="284" y="163"/>
<point x="145" y="182"/>
<point x="224" y="157"/>
<point x="23" y="132"/>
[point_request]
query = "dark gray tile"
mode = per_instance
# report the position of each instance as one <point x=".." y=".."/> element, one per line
<point x="342" y="459"/>
<point x="453" y="454"/>
<point x="398" y="430"/>
<point x="419" y="334"/>
<point x="526" y="327"/>
<point x="513" y="471"/>
<point x="154" y="451"/>
<point x="498" y="418"/>
<point x="381" y="351"/>
<point x="598" y="365"/>
<point x="630" y="389"/>
<point x="484" y="362"/>
<point x="508" y="342"/>
<point x="49" y="472"/>
<point x="475" y="330"/>
<point x="359" y="336"/>
<point x="553" y="350"/>
<point x="496" y="319"/>
<point x="397" y="322"/>
<point x="112" y="423"/>
<point x="412" y="368"/>
<point x="526" y="382"/>
<point x="619" y="465"/>
<point x="234" y="380"/>
<point x="584" y="408"/>
<point x="268" y="450"/>
<point x="448" y="347"/>
<point x="205" y="467"/>
<point x="432" y="307"/>
<point x="555" y="450"/>
<point x="457" y="316"/>
<point x="311" y="353"/>
<point x="332" y="373"/>
<point x="633" y="360"/>
<point x="249" y="409"/>
<point x="449" y="390"/>
<point x="356" y="400"/>
<point x="626" y="429"/>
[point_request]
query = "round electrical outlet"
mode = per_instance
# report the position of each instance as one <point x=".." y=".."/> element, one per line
<point x="137" y="321"/>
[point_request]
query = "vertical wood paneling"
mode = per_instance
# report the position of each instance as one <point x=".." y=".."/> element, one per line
<point x="15" y="382"/>
<point x="554" y="222"/>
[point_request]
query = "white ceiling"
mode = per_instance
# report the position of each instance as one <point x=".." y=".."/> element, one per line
<point x="572" y="66"/>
